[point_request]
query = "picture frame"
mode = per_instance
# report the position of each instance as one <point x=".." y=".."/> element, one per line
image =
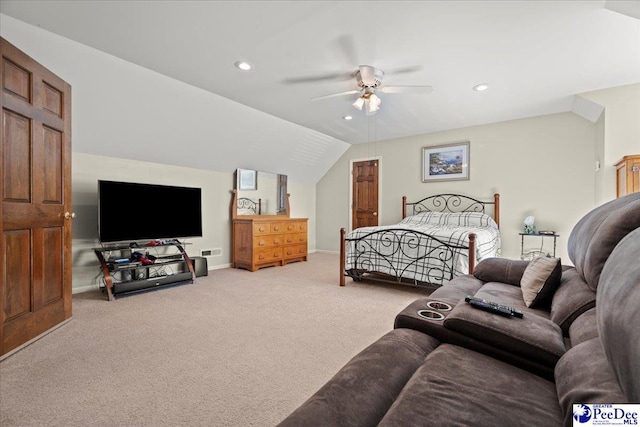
<point x="446" y="162"/>
<point x="247" y="179"/>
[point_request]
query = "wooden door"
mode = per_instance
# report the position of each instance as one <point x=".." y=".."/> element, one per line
<point x="35" y="180"/>
<point x="365" y="194"/>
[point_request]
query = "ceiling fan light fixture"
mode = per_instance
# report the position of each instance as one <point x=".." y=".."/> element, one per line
<point x="374" y="103"/>
<point x="359" y="103"/>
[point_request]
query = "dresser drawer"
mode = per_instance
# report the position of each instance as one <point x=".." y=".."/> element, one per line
<point x="277" y="227"/>
<point x="295" y="251"/>
<point x="262" y="255"/>
<point x="267" y="240"/>
<point x="260" y="228"/>
<point x="296" y="227"/>
<point x="295" y="238"/>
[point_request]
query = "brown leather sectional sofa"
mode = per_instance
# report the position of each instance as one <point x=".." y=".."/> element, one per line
<point x="447" y="363"/>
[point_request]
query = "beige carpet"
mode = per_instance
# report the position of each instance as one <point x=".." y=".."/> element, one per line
<point x="233" y="349"/>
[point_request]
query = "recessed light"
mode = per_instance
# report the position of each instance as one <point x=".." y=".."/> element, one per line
<point x="481" y="87"/>
<point x="242" y="65"/>
<point x="347" y="117"/>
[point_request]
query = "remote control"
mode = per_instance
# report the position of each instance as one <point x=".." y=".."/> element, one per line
<point x="492" y="307"/>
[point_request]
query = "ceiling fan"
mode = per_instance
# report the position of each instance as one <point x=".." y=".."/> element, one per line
<point x="369" y="81"/>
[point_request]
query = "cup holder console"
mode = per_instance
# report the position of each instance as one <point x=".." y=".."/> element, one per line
<point x="435" y="310"/>
<point x="439" y="305"/>
<point x="430" y="315"/>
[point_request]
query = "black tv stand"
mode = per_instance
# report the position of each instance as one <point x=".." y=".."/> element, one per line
<point x="124" y="276"/>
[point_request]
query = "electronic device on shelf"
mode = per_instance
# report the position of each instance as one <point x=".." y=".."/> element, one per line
<point x="547" y="232"/>
<point x="132" y="271"/>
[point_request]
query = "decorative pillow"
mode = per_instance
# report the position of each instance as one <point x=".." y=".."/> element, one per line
<point x="540" y="280"/>
<point x="503" y="270"/>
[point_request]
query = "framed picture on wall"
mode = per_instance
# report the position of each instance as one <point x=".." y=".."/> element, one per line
<point x="447" y="162"/>
<point x="247" y="179"/>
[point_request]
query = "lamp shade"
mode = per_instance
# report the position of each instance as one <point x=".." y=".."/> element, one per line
<point x="359" y="103"/>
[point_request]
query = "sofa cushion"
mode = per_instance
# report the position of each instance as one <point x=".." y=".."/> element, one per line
<point x="597" y="233"/>
<point x="500" y="270"/>
<point x="532" y="337"/>
<point x="572" y="298"/>
<point x="619" y="316"/>
<point x="540" y="280"/>
<point x="464" y="285"/>
<point x="459" y="387"/>
<point x="583" y="375"/>
<point x="584" y="327"/>
<point x="362" y="391"/>
<point x="509" y="295"/>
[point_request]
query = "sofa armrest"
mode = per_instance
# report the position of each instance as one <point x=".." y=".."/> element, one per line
<point x="366" y="387"/>
<point x="572" y="298"/>
<point x="503" y="270"/>
<point x="583" y="375"/>
<point x="532" y="337"/>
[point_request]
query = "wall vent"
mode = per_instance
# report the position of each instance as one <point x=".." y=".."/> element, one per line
<point x="211" y="252"/>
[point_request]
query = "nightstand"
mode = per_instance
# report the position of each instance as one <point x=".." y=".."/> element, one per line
<point x="532" y="253"/>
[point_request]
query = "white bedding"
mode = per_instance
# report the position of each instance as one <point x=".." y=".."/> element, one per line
<point x="403" y="250"/>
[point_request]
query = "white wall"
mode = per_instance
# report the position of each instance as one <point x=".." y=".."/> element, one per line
<point x="216" y="200"/>
<point x="621" y="132"/>
<point x="541" y="166"/>
<point x="128" y="123"/>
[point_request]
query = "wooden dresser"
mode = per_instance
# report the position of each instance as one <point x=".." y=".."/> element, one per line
<point x="628" y="175"/>
<point x="266" y="240"/>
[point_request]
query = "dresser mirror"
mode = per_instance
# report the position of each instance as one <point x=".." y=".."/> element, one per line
<point x="260" y="193"/>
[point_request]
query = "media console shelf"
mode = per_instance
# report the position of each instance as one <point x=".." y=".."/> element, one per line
<point x="169" y="267"/>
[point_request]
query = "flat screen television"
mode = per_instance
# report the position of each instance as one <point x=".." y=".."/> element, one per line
<point x="129" y="211"/>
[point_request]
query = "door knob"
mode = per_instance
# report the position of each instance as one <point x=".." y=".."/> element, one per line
<point x="375" y="214"/>
<point x="68" y="215"/>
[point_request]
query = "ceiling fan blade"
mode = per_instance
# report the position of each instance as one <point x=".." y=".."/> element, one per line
<point x="346" y="44"/>
<point x="406" y="89"/>
<point x="324" y="77"/>
<point x="349" y="92"/>
<point x="405" y="70"/>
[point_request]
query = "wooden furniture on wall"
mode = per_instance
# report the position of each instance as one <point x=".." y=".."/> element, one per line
<point x="628" y="175"/>
<point x="266" y="240"/>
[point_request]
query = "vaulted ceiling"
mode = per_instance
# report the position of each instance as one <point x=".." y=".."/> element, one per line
<point x="534" y="55"/>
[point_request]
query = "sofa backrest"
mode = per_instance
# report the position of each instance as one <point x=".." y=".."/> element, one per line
<point x="598" y="232"/>
<point x="618" y="314"/>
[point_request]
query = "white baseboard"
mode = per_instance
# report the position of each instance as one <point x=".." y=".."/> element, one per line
<point x="219" y="267"/>
<point x="323" y="251"/>
<point x="82" y="289"/>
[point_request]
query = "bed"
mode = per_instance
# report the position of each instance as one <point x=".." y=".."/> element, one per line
<point x="443" y="236"/>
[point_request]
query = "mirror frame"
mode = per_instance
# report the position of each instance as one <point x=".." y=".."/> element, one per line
<point x="247" y="180"/>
